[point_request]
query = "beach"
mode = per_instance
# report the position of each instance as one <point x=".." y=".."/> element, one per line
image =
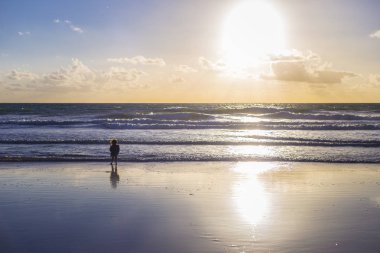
<point x="189" y="207"/>
<point x="237" y="126"/>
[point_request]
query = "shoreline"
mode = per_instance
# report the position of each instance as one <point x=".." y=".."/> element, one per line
<point x="107" y="161"/>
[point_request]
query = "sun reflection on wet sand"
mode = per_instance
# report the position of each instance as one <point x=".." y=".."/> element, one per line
<point x="251" y="200"/>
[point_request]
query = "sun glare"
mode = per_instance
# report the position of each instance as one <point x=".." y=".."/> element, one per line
<point x="250" y="198"/>
<point x="251" y="31"/>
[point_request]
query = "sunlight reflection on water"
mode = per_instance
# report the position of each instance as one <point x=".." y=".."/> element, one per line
<point x="249" y="196"/>
<point x="259" y="151"/>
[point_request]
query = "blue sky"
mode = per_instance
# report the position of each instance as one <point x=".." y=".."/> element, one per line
<point x="111" y="28"/>
<point x="39" y="38"/>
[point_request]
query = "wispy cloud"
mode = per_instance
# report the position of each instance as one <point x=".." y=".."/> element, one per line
<point x="70" y="24"/>
<point x="206" y="64"/>
<point x="176" y="79"/>
<point x="185" y="69"/>
<point x="73" y="27"/>
<point x="307" y="68"/>
<point x="139" y="59"/>
<point x="374" y="80"/>
<point x="24" y="33"/>
<point x="375" y="34"/>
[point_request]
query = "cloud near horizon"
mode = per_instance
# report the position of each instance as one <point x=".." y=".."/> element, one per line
<point x="122" y="75"/>
<point x="306" y="68"/>
<point x="77" y="76"/>
<point x="374" y="80"/>
<point x="139" y="59"/>
<point x="21" y="75"/>
<point x="176" y="79"/>
<point x="208" y="65"/>
<point x="185" y="69"/>
<point x="375" y="34"/>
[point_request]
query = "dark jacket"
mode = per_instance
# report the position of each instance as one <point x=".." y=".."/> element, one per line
<point x="114" y="149"/>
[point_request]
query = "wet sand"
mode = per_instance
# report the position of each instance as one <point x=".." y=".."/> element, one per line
<point x="189" y="207"/>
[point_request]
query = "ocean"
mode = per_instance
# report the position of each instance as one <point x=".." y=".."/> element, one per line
<point x="191" y="132"/>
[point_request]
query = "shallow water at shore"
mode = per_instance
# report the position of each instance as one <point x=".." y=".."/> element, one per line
<point x="189" y="207"/>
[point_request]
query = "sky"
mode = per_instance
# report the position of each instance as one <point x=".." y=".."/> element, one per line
<point x="153" y="51"/>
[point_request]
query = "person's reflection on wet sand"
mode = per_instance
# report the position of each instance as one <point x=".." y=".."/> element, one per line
<point x="114" y="178"/>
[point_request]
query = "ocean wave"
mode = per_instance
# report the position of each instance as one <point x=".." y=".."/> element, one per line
<point x="41" y="122"/>
<point x="264" y="141"/>
<point x="185" y="120"/>
<point x="104" y="109"/>
<point x="319" y="116"/>
<point x="152" y="115"/>
<point x="149" y="124"/>
<point x="244" y="125"/>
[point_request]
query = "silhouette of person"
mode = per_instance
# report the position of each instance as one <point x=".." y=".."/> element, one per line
<point x="114" y="149"/>
<point x="114" y="178"/>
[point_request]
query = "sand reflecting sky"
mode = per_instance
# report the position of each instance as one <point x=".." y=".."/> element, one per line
<point x="249" y="196"/>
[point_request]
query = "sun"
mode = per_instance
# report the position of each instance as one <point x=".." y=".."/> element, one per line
<point x="252" y="31"/>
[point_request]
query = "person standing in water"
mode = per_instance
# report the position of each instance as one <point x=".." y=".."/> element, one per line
<point x="114" y="149"/>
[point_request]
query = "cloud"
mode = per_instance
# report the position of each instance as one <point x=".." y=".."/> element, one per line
<point x="375" y="34"/>
<point x="21" y="75"/>
<point x="19" y="80"/>
<point x="24" y="33"/>
<point x="374" y="80"/>
<point x="211" y="66"/>
<point x="70" y="24"/>
<point x="294" y="56"/>
<point x="306" y="68"/>
<point x="126" y="76"/>
<point x="73" y="27"/>
<point x="80" y="75"/>
<point x="185" y="69"/>
<point x="75" y="77"/>
<point x="139" y="59"/>
<point x="25" y="83"/>
<point x="76" y="29"/>
<point x="176" y="79"/>
<point x="76" y="73"/>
